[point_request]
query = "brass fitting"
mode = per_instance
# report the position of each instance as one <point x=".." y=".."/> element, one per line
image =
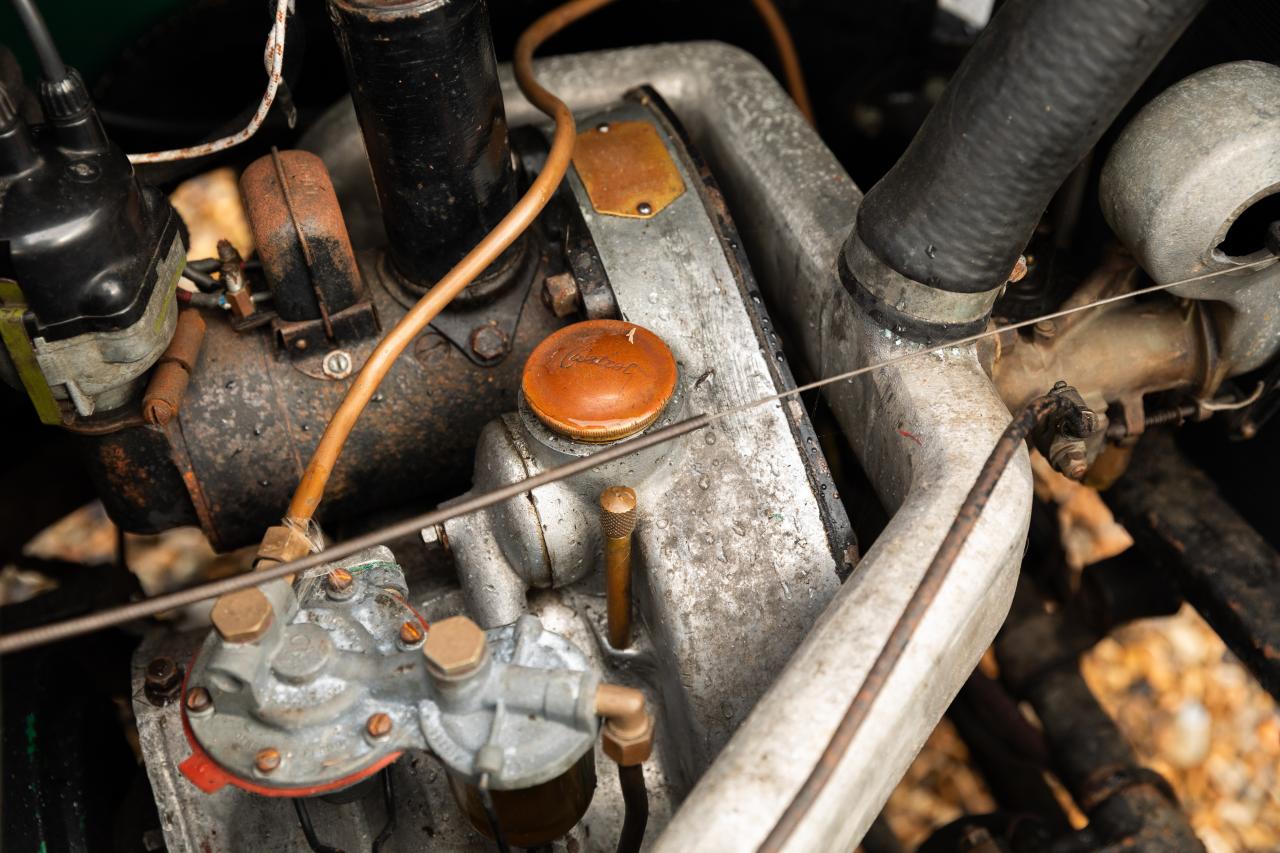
<point x="242" y="616"/>
<point x="618" y="521"/>
<point x="628" y="726"/>
<point x="454" y="647"/>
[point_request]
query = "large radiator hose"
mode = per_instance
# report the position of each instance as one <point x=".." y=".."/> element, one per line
<point x="938" y="236"/>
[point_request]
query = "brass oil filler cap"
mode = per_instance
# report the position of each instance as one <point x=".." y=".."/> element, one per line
<point x="600" y="380"/>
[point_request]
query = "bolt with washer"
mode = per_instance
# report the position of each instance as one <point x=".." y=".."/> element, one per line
<point x="560" y="294"/>
<point x="337" y="364"/>
<point x="488" y="342"/>
<point x="162" y="681"/>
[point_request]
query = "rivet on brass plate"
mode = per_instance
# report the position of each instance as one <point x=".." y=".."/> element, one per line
<point x="627" y="170"/>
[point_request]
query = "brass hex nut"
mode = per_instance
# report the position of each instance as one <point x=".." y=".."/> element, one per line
<point x="242" y="616"/>
<point x="454" y="647"/>
<point x="281" y="544"/>
<point x="629" y="750"/>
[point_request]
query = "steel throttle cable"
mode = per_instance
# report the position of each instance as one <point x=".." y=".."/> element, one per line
<point x="54" y="632"/>
<point x="310" y="490"/>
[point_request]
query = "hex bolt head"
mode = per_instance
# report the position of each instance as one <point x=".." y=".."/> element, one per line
<point x="340" y="583"/>
<point x="267" y="760"/>
<point x="410" y="633"/>
<point x="162" y="681"/>
<point x="454" y="648"/>
<point x="560" y="294"/>
<point x="199" y="701"/>
<point x="378" y="726"/>
<point x="242" y="616"/>
<point x="337" y="364"/>
<point x="488" y="342"/>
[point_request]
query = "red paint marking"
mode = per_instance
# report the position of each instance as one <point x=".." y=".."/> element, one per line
<point x="905" y="434"/>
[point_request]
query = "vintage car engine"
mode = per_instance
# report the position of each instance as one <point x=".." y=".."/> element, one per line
<point x="606" y="470"/>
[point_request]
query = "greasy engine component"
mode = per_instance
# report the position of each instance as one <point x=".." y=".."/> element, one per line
<point x="1186" y="172"/>
<point x="342" y="683"/>
<point x="89" y="259"/>
<point x="939" y="235"/>
<point x="257" y="404"/>
<point x="441" y="159"/>
<point x="723" y="498"/>
<point x="1197" y="162"/>
<point x="921" y="428"/>
<point x="305" y="252"/>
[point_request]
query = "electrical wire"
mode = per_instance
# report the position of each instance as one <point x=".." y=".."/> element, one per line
<point x="311" y="488"/>
<point x="54" y="632"/>
<point x="787" y="55"/>
<point x="52" y="67"/>
<point x="273" y="59"/>
<point x="917" y="606"/>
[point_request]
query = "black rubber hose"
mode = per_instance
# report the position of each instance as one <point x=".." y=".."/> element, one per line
<point x="51" y="65"/>
<point x="1039" y="87"/>
<point x="635" y="800"/>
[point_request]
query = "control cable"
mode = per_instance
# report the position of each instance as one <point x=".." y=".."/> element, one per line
<point x="112" y="616"/>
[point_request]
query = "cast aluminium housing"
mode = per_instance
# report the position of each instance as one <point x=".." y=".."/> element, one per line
<point x="921" y="428"/>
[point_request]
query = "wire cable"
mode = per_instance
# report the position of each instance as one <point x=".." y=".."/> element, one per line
<point x="52" y="67"/>
<point x="273" y="58"/>
<point x="311" y="488"/>
<point x="107" y="618"/>
<point x="787" y="55"/>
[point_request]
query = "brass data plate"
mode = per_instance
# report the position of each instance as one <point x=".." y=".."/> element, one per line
<point x="626" y="169"/>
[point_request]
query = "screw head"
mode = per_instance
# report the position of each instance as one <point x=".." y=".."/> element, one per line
<point x="267" y="760"/>
<point x="300" y="344"/>
<point x="379" y="725"/>
<point x="410" y="633"/>
<point x="603" y="127"/>
<point x="644" y="208"/>
<point x="340" y="583"/>
<point x="199" y="700"/>
<point x="337" y="364"/>
<point x="488" y="342"/>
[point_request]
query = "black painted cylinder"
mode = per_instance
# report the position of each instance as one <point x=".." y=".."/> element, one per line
<point x="424" y="79"/>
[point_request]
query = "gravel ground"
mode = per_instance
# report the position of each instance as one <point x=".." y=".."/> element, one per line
<point x="1191" y="710"/>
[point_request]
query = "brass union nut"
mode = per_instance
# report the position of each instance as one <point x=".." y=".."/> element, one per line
<point x="454" y="647"/>
<point x="242" y="616"/>
<point x="631" y="750"/>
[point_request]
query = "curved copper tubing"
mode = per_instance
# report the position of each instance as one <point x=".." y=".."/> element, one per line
<point x="786" y="55"/>
<point x="311" y="489"/>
